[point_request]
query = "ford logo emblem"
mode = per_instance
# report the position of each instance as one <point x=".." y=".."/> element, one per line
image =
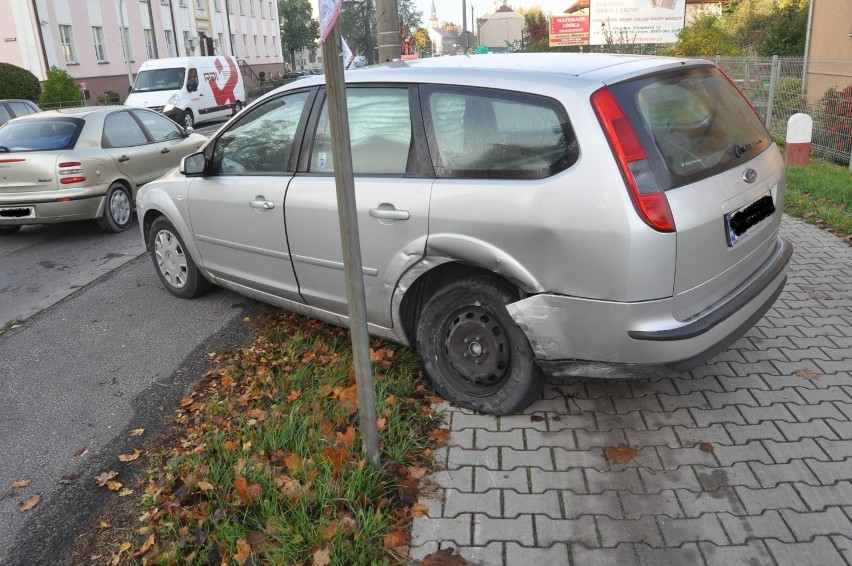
<point x="749" y="175"/>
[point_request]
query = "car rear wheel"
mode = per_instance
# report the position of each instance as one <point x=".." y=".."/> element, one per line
<point x="473" y="352"/>
<point x="188" y="119"/>
<point x="4" y="230"/>
<point x="118" y="212"/>
<point x="175" y="266"/>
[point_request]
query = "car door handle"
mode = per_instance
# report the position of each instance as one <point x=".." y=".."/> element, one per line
<point x="390" y="214"/>
<point x="262" y="203"/>
<point x="165" y="150"/>
<point x="123" y="158"/>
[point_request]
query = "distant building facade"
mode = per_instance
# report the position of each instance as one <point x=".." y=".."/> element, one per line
<point x="830" y="40"/>
<point x="94" y="39"/>
<point x="443" y="42"/>
<point x="501" y="28"/>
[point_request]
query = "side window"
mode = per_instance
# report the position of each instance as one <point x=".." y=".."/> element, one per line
<point x="4" y="114"/>
<point x="262" y="139"/>
<point x="121" y="130"/>
<point x="160" y="127"/>
<point x="20" y="108"/>
<point x="379" y="130"/>
<point x="481" y="133"/>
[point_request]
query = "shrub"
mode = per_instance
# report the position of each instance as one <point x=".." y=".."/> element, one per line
<point x="835" y="112"/>
<point x="109" y="97"/>
<point x="16" y="82"/>
<point x="60" y="89"/>
<point x="788" y="95"/>
<point x="262" y="76"/>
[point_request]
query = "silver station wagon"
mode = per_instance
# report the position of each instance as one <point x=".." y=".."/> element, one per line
<point x="520" y="215"/>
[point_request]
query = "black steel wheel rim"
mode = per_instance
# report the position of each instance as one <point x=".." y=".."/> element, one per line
<point x="478" y="357"/>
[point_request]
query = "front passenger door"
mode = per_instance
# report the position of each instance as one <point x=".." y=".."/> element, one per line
<point x="237" y="210"/>
<point x="128" y="145"/>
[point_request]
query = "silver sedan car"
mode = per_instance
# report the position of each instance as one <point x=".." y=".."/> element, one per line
<point x="84" y="163"/>
<point x="519" y="215"/>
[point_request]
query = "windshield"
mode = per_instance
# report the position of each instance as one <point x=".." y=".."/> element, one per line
<point x="39" y="135"/>
<point x="159" y="79"/>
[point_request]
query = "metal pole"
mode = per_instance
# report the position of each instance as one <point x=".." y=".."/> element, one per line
<point x="464" y="27"/>
<point x="390" y="46"/>
<point x="338" y="117"/>
<point x="807" y="49"/>
<point x="126" y="42"/>
<point x="773" y="77"/>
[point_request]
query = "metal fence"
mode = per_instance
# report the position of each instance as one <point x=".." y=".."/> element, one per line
<point x="775" y="87"/>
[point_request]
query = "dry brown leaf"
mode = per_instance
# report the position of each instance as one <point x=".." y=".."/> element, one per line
<point x="105" y="477"/>
<point x="322" y="557"/>
<point x="79" y="452"/>
<point x="396" y="539"/>
<point x="146" y="546"/>
<point x="439" y="434"/>
<point x="381" y="423"/>
<point x="114" y="485"/>
<point x="21" y="483"/>
<point x="227" y="381"/>
<point x="347" y="440"/>
<point x="125" y="546"/>
<point x="125" y="492"/>
<point x="419" y="509"/>
<point x="536" y="418"/>
<point x="28" y="504"/>
<point x="417" y="472"/>
<point x="137" y="432"/>
<point x="206" y="486"/>
<point x="247" y="492"/>
<point x="129" y="457"/>
<point x="620" y="454"/>
<point x="187" y="401"/>
<point x="808" y="374"/>
<point x="706" y="447"/>
<point x="444" y="557"/>
<point x="293" y="396"/>
<point x="243" y="551"/>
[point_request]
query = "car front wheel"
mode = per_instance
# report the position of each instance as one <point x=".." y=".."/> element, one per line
<point x="473" y="352"/>
<point x="174" y="265"/>
<point x="118" y="212"/>
<point x="188" y="119"/>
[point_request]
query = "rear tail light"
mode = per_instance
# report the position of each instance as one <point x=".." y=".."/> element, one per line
<point x="648" y="199"/>
<point x="70" y="172"/>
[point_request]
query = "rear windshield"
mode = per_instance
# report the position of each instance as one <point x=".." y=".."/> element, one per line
<point x="698" y="122"/>
<point x="159" y="79"/>
<point x="40" y="134"/>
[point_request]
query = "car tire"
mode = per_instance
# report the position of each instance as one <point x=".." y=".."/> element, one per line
<point x="6" y="230"/>
<point x="188" y="119"/>
<point x="473" y="352"/>
<point x="173" y="263"/>
<point x="118" y="209"/>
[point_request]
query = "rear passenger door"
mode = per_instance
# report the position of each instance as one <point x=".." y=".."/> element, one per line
<point x="393" y="180"/>
<point x="130" y="147"/>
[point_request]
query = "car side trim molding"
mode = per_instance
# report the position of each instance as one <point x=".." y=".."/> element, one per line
<point x="372" y="272"/>
<point x="725" y="311"/>
<point x="243" y="247"/>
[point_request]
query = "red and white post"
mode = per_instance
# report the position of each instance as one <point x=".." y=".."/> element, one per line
<point x="799" y="131"/>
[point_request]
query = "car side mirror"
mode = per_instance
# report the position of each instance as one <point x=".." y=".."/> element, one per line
<point x="193" y="165"/>
<point x="129" y="89"/>
<point x="187" y="131"/>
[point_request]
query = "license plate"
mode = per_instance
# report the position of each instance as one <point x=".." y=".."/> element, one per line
<point x="18" y="212"/>
<point x="740" y="223"/>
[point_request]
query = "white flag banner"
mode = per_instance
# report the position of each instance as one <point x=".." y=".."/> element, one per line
<point x="348" y="56"/>
<point x="329" y="10"/>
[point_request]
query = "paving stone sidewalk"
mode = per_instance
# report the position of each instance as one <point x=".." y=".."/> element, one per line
<point x="746" y="460"/>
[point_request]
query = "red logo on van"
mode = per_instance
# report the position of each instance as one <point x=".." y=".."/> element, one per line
<point x="225" y="94"/>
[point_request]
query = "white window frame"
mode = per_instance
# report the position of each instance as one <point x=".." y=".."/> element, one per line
<point x="171" y="48"/>
<point x="266" y="45"/>
<point x="251" y="7"/>
<point x="256" y="47"/>
<point x="66" y="39"/>
<point x="234" y="45"/>
<point x="200" y="5"/>
<point x="126" y="45"/>
<point x="217" y="5"/>
<point x="149" y="42"/>
<point x="245" y="45"/>
<point x="100" y="45"/>
<point x="242" y="8"/>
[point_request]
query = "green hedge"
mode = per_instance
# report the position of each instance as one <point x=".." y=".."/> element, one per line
<point x="16" y="82"/>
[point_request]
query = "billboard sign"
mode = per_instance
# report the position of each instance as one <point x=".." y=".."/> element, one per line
<point x="636" y="21"/>
<point x="569" y="30"/>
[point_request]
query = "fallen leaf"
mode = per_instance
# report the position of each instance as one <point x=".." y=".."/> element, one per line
<point x="620" y="454"/>
<point x="439" y="434"/>
<point x="21" y="483"/>
<point x="808" y="374"/>
<point x="103" y="525"/>
<point x="243" y="551"/>
<point x="114" y="485"/>
<point x="80" y="451"/>
<point x="247" y="492"/>
<point x="187" y="401"/>
<point x="247" y="319"/>
<point x="105" y="477"/>
<point x="417" y="472"/>
<point x="293" y="396"/>
<point x="322" y="557"/>
<point x="396" y="539"/>
<point x="706" y="447"/>
<point x="66" y="480"/>
<point x="206" y="486"/>
<point x="381" y="423"/>
<point x="125" y="546"/>
<point x="28" y="504"/>
<point x="137" y="432"/>
<point x="146" y="546"/>
<point x="444" y="557"/>
<point x="129" y="457"/>
<point x="347" y="440"/>
<point x="536" y="418"/>
<point x="418" y="510"/>
<point x="125" y="492"/>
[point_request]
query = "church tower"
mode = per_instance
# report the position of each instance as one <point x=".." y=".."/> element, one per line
<point x="433" y="18"/>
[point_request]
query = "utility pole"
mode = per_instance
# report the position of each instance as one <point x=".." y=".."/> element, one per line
<point x="464" y="27"/>
<point x="390" y="44"/>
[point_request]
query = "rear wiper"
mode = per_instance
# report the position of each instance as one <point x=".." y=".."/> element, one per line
<point x="739" y="150"/>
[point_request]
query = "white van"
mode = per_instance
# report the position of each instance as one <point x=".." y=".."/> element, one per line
<point x="190" y="90"/>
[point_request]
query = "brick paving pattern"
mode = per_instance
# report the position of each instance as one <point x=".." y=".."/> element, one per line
<point x="772" y="485"/>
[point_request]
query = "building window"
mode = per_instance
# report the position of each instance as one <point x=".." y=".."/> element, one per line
<point x="234" y="45"/>
<point x="251" y="7"/>
<point x="186" y="43"/>
<point x="242" y="8"/>
<point x="149" y="44"/>
<point x="245" y="45"/>
<point x="126" y="47"/>
<point x="217" y="5"/>
<point x="66" y="37"/>
<point x="256" y="47"/>
<point x="221" y="44"/>
<point x="228" y="8"/>
<point x="100" y="46"/>
<point x="271" y="13"/>
<point x="200" y="5"/>
<point x="170" y="43"/>
<point x="265" y="46"/>
<point x="182" y="3"/>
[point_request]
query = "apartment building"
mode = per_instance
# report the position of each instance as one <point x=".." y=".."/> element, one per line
<point x="102" y="43"/>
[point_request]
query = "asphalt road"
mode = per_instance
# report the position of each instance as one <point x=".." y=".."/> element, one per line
<point x="76" y="378"/>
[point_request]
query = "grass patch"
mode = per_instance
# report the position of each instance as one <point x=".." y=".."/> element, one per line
<point x="10" y="325"/>
<point x="821" y="194"/>
<point x="269" y="468"/>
